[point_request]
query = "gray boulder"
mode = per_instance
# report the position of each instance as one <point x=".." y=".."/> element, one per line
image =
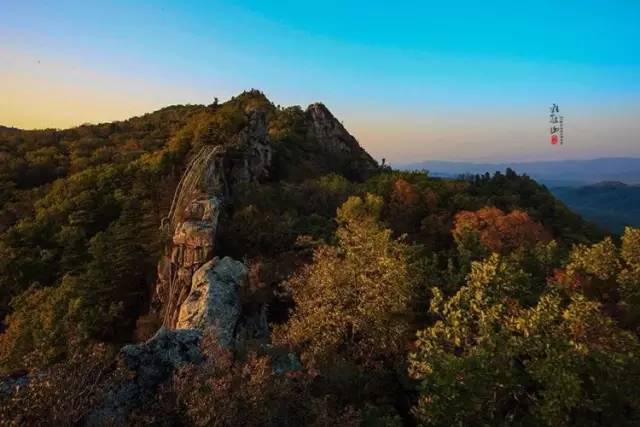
<point x="214" y="299"/>
<point x="155" y="360"/>
<point x="152" y="363"/>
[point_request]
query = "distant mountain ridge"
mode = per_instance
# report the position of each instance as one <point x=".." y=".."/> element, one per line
<point x="612" y="205"/>
<point x="551" y="173"/>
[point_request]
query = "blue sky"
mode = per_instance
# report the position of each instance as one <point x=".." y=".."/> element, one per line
<point x="461" y="80"/>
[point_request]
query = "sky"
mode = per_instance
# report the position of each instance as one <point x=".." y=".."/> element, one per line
<point x="429" y="80"/>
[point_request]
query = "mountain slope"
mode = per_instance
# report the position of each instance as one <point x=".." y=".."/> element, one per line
<point x="612" y="205"/>
<point x="61" y="191"/>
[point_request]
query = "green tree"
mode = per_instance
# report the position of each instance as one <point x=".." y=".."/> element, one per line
<point x="490" y="360"/>
<point x="353" y="301"/>
<point x="352" y="319"/>
<point x="605" y="273"/>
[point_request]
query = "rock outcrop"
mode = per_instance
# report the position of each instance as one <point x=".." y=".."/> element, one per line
<point x="192" y="246"/>
<point x="210" y="179"/>
<point x="214" y="299"/>
<point x="193" y="219"/>
<point x="155" y="360"/>
<point x="250" y="158"/>
<point x="334" y="142"/>
<point x="152" y="363"/>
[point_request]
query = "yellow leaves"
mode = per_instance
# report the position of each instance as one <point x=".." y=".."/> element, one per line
<point x="358" y="209"/>
<point x="353" y="301"/>
<point x="482" y="273"/>
<point x="605" y="273"/>
<point x="630" y="250"/>
<point x="629" y="277"/>
<point x="491" y="342"/>
<point x="600" y="260"/>
<point x="437" y="301"/>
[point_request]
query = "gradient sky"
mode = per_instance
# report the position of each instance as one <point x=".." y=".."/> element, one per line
<point x="452" y="80"/>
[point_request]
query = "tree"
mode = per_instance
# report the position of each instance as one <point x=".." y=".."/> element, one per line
<point x="490" y="229"/>
<point x="408" y="205"/>
<point x="246" y="389"/>
<point x="352" y="318"/>
<point x="490" y="360"/>
<point x="352" y="301"/>
<point x="94" y="304"/>
<point x="605" y="273"/>
<point x="64" y="393"/>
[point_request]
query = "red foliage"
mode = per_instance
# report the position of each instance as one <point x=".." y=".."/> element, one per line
<point x="500" y="232"/>
<point x="570" y="282"/>
<point x="404" y="194"/>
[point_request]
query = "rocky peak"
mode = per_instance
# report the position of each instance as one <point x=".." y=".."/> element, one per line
<point x="334" y="140"/>
<point x="328" y="130"/>
<point x="319" y="112"/>
<point x="255" y="152"/>
<point x="193" y="219"/>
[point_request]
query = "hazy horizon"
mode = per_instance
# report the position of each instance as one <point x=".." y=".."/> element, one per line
<point x="529" y="161"/>
<point x="411" y="82"/>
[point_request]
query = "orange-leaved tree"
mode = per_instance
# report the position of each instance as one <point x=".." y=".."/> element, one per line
<point x="496" y="231"/>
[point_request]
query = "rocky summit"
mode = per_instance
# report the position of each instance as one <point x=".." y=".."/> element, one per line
<point x="197" y="287"/>
<point x="209" y="179"/>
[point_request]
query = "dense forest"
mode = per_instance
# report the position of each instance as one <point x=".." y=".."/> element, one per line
<point x="392" y="298"/>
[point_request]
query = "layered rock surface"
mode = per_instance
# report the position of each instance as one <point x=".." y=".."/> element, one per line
<point x="193" y="220"/>
<point x="214" y="299"/>
<point x="192" y="246"/>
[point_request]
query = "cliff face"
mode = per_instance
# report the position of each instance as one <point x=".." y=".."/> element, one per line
<point x="192" y="245"/>
<point x="335" y="143"/>
<point x="193" y="219"/>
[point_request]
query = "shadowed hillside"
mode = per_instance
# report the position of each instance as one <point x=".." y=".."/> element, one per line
<point x="612" y="205"/>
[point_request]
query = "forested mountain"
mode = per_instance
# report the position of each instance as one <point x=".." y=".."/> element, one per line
<point x="612" y="205"/>
<point x="247" y="264"/>
<point x="604" y="191"/>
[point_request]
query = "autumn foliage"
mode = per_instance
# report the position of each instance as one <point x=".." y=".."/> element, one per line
<point x="498" y="231"/>
<point x="64" y="393"/>
<point x="401" y="299"/>
<point x="248" y="389"/>
<point x="352" y="302"/>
